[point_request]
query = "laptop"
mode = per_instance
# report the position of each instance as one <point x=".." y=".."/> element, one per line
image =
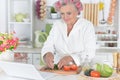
<point x="20" y="70"/>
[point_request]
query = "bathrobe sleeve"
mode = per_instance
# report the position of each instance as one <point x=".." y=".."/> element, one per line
<point x="89" y="42"/>
<point x="49" y="43"/>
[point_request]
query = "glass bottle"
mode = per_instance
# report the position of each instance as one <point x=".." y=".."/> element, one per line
<point x="86" y="64"/>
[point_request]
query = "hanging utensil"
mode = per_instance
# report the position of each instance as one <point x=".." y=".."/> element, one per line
<point x="103" y="21"/>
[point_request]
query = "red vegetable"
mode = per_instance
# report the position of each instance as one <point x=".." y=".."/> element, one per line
<point x="66" y="68"/>
<point x="73" y="67"/>
<point x="95" y="74"/>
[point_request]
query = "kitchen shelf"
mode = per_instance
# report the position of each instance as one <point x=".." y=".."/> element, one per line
<point x="106" y="34"/>
<point x="51" y="21"/>
<point x="106" y="41"/>
<point x="20" y="20"/>
<point x="20" y="23"/>
<point x="107" y="47"/>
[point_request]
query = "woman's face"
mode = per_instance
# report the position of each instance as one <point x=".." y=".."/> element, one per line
<point x="69" y="13"/>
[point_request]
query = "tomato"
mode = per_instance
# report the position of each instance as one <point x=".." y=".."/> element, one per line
<point x="66" y="68"/>
<point x="70" y="67"/>
<point x="73" y="67"/>
<point x="95" y="74"/>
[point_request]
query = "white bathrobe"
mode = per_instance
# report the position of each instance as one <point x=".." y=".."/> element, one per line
<point x="79" y="44"/>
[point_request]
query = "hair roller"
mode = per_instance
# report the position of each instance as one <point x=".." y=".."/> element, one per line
<point x="79" y="5"/>
<point x="66" y="1"/>
<point x="57" y="5"/>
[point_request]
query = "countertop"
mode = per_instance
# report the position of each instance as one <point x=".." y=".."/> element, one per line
<point x="45" y="75"/>
<point x="54" y="76"/>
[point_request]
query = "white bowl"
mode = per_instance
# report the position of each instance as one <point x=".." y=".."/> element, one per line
<point x="54" y="15"/>
<point x="26" y="20"/>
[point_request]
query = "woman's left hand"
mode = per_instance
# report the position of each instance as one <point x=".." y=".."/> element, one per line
<point x="65" y="61"/>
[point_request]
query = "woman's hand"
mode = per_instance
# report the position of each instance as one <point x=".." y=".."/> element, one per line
<point x="65" y="61"/>
<point x="49" y="60"/>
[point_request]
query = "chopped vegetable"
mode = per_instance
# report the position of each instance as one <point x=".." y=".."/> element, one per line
<point x="55" y="67"/>
<point x="66" y="68"/>
<point x="73" y="67"/>
<point x="87" y="72"/>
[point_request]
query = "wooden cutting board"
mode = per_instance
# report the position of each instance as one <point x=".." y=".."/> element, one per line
<point x="62" y="71"/>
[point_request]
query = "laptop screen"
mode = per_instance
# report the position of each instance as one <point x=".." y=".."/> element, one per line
<point x="20" y="70"/>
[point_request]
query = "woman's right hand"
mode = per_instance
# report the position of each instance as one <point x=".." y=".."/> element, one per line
<point x="49" y="60"/>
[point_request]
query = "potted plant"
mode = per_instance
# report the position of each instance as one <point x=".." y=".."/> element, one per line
<point x="54" y="14"/>
<point x="8" y="43"/>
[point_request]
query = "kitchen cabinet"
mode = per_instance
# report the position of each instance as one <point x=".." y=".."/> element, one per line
<point x="27" y="55"/>
<point x="36" y="59"/>
<point x="20" y="21"/>
<point x="30" y="58"/>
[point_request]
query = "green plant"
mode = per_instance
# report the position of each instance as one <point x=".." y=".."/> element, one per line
<point x="53" y="10"/>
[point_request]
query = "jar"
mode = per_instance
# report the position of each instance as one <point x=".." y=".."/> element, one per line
<point x="114" y="38"/>
<point x="110" y="44"/>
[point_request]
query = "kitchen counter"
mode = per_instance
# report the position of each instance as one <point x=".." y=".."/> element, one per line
<point x="80" y="77"/>
<point x="54" y="76"/>
<point x="46" y="75"/>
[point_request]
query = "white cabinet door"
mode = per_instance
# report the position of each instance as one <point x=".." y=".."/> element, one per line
<point x="36" y="59"/>
<point x="29" y="58"/>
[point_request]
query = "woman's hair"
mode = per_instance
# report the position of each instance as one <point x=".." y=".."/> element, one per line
<point x="76" y="3"/>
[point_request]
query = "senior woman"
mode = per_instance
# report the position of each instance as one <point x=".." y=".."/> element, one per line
<point x="71" y="39"/>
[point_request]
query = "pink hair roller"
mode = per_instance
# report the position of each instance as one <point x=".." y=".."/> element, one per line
<point x="79" y="6"/>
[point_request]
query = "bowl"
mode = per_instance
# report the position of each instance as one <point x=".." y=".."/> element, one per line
<point x="26" y="20"/>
